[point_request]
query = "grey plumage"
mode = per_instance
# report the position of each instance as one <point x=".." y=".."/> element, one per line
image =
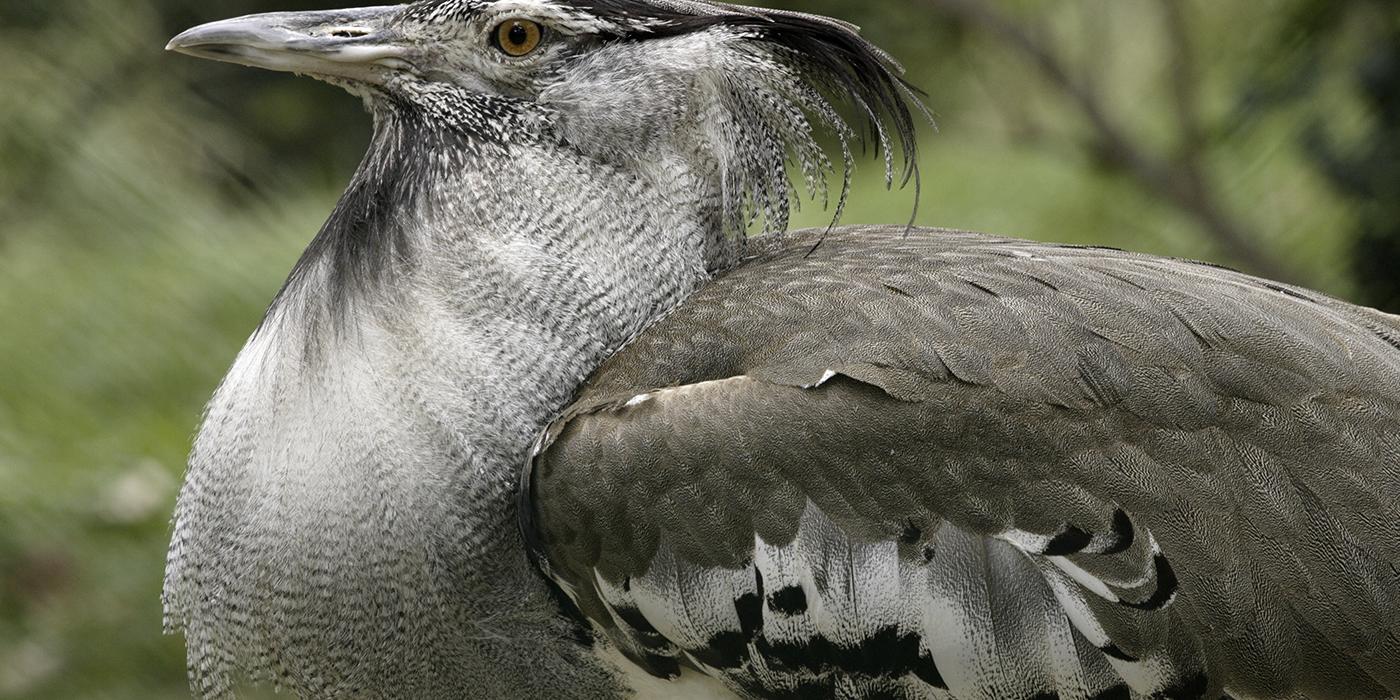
<point x="1022" y="400"/>
<point x="964" y="466"/>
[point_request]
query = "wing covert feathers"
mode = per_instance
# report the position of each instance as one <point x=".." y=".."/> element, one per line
<point x="952" y="466"/>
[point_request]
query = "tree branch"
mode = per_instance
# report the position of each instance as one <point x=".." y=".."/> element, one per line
<point x="1184" y="77"/>
<point x="1181" y="182"/>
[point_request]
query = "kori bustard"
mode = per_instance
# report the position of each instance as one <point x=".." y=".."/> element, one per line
<point x="532" y="418"/>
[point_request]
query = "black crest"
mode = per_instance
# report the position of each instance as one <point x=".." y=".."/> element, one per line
<point x="831" y="54"/>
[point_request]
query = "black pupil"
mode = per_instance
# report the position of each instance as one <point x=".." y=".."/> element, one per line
<point x="518" y="35"/>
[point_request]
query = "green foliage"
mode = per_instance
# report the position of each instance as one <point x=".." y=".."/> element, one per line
<point x="150" y="205"/>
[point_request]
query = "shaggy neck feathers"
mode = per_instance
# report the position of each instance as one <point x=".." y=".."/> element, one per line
<point x="370" y="435"/>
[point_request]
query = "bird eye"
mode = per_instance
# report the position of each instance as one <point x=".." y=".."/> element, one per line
<point x="518" y="37"/>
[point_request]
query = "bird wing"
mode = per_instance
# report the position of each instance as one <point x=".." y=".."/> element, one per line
<point x="936" y="464"/>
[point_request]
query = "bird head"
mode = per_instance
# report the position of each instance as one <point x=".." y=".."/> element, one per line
<point x="745" y="92"/>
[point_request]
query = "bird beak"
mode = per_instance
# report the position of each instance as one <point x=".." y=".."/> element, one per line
<point x="357" y="44"/>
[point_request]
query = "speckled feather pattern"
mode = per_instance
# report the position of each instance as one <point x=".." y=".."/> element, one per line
<point x="1199" y="470"/>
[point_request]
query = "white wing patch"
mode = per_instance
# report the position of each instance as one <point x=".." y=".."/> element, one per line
<point x="688" y="686"/>
<point x="679" y="392"/>
<point x="1084" y="578"/>
<point x="940" y="614"/>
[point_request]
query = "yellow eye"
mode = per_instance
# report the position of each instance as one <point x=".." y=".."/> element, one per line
<point x="518" y="37"/>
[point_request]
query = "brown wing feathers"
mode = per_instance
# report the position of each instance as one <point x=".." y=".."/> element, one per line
<point x="1201" y="470"/>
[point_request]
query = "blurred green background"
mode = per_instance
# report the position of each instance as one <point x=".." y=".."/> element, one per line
<point x="150" y="205"/>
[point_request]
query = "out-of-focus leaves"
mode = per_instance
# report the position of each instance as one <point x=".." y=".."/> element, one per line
<point x="1366" y="167"/>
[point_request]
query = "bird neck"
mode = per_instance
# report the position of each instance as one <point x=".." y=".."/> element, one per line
<point x="541" y="259"/>
<point x="504" y="261"/>
<point x="477" y="279"/>
<point x="359" y="464"/>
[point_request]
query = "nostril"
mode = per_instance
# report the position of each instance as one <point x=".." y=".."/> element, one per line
<point x="347" y="32"/>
